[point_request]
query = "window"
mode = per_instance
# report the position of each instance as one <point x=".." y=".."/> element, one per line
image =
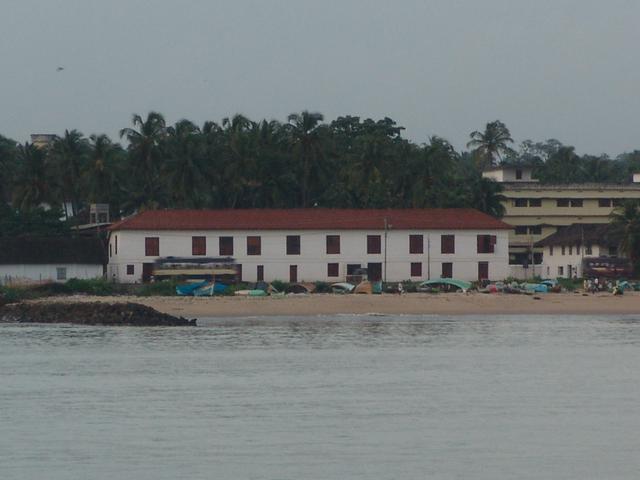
<point x="483" y="271"/>
<point x="293" y="244"/>
<point x="551" y="250"/>
<point x="254" y="245"/>
<point x="577" y="249"/>
<point x="520" y="202"/>
<point x="198" y="245"/>
<point x="447" y="244"/>
<point x="486" y="243"/>
<point x="333" y="244"/>
<point x="152" y="246"/>
<point x="570" y="250"/>
<point x="226" y="245"/>
<point x="613" y="251"/>
<point x="535" y="230"/>
<point x="131" y="269"/>
<point x="563" y="252"/>
<point x="416" y="269"/>
<point x="110" y="252"/>
<point x="416" y="244"/>
<point x="604" y="202"/>
<point x="537" y="258"/>
<point x="447" y="270"/>
<point x="352" y="267"/>
<point x="521" y="230"/>
<point x="239" y="271"/>
<point x="560" y="271"/>
<point x="374" y="244"/>
<point x="576" y="203"/>
<point x="61" y="273"/>
<point x="562" y="202"/>
<point x="260" y="273"/>
<point x="293" y="273"/>
<point x="333" y="269"/>
<point x="617" y="202"/>
<point x="374" y="271"/>
<point x="588" y="250"/>
<point x="535" y="202"/>
<point x="518" y="174"/>
<point x="116" y="243"/>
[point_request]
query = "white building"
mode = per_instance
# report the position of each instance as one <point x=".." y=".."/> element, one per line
<point x="316" y="244"/>
<point x="25" y="260"/>
<point x="565" y="250"/>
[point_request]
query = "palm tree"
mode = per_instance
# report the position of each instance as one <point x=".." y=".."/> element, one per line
<point x="7" y="154"/>
<point x="486" y="196"/>
<point x="68" y="155"/>
<point x="145" y="153"/>
<point x="238" y="158"/>
<point x="99" y="174"/>
<point x="183" y="171"/>
<point x="33" y="186"/>
<point x="625" y="221"/>
<point x="490" y="145"/>
<point x="307" y="145"/>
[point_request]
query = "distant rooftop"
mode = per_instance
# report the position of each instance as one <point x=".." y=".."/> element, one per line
<point x="583" y="233"/>
<point x="572" y="186"/>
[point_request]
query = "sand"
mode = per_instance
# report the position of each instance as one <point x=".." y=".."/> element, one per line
<point x="414" y="303"/>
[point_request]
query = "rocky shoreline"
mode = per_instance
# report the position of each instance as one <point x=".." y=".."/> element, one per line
<point x="90" y="313"/>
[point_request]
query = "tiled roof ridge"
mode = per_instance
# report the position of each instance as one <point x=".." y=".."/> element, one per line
<point x="310" y="219"/>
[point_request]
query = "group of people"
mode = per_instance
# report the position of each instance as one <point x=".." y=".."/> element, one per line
<point x="594" y="285"/>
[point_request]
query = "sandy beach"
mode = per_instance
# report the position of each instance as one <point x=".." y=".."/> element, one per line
<point x="416" y="303"/>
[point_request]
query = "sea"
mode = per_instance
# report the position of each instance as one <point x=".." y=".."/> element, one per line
<point x="340" y="397"/>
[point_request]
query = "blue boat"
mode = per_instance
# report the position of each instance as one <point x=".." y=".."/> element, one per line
<point x="187" y="289"/>
<point x="210" y="290"/>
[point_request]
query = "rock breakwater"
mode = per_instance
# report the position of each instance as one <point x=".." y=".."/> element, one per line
<point x="90" y="313"/>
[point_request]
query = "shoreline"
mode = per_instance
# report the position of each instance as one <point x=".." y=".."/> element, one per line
<point x="385" y="304"/>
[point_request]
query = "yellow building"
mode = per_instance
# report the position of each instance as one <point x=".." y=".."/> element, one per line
<point x="536" y="211"/>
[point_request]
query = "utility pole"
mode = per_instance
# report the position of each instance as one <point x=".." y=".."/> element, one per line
<point x="428" y="257"/>
<point x="386" y="231"/>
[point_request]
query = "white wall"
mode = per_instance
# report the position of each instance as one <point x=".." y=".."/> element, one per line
<point x="313" y="260"/>
<point x="552" y="262"/>
<point x="19" y="274"/>
<point x="508" y="174"/>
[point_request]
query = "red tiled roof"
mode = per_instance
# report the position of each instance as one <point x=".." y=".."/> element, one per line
<point x="312" y="219"/>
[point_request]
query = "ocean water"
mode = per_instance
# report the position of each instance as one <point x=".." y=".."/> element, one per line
<point x="348" y="397"/>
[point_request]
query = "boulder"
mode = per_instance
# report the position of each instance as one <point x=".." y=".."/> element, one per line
<point x="89" y="313"/>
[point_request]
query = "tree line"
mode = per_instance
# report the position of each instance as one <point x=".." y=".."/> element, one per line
<point x="303" y="162"/>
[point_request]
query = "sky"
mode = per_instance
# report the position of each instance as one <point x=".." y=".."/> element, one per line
<point x="565" y="69"/>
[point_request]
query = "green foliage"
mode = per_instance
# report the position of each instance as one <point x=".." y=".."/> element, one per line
<point x="165" y="288"/>
<point x="322" y="287"/>
<point x="35" y="221"/>
<point x="14" y="294"/>
<point x="97" y="286"/>
<point x="348" y="162"/>
<point x="570" y="284"/>
<point x="280" y="286"/>
<point x="626" y="221"/>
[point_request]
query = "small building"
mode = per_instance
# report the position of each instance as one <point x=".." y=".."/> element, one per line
<point x="564" y="251"/>
<point x="25" y="260"/>
<point x="536" y="210"/>
<point x="510" y="173"/>
<point x="43" y="140"/>
<point x="316" y="244"/>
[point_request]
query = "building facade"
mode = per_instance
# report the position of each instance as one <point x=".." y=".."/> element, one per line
<point x="316" y="244"/>
<point x="565" y="250"/>
<point x="26" y="260"/>
<point x="536" y="211"/>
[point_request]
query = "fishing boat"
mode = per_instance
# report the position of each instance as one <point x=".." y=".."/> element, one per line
<point x="444" y="284"/>
<point x="205" y="268"/>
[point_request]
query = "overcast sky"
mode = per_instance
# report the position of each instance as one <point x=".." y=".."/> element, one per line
<point x="565" y="69"/>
